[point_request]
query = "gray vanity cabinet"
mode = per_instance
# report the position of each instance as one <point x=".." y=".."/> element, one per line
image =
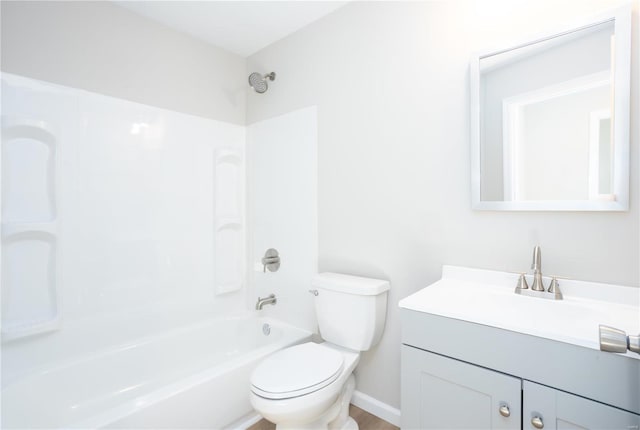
<point x="476" y="356"/>
<point x="442" y="393"/>
<point x="557" y="410"/>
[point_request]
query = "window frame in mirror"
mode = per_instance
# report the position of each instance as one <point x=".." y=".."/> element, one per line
<point x="621" y="18"/>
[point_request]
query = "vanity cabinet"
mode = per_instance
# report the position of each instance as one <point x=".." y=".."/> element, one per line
<point x="442" y="393"/>
<point x="439" y="393"/>
<point x="556" y="409"/>
<point x="477" y="356"/>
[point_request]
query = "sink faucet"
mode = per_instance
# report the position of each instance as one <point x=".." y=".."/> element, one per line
<point x="537" y="289"/>
<point x="269" y="300"/>
<point x="536" y="266"/>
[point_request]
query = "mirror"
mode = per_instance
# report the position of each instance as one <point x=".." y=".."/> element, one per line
<point x="550" y="120"/>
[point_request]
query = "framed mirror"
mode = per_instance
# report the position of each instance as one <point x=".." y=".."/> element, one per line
<point x="550" y="120"/>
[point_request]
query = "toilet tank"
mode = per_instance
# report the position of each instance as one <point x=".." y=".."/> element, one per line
<point x="351" y="310"/>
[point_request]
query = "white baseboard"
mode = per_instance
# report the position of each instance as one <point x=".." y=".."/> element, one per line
<point x="245" y="422"/>
<point x="376" y="407"/>
<point x="359" y="399"/>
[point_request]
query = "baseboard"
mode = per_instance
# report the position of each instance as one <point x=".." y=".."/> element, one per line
<point x="245" y="422"/>
<point x="359" y="399"/>
<point x="376" y="407"/>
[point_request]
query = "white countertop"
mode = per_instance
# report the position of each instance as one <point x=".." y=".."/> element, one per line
<point x="487" y="297"/>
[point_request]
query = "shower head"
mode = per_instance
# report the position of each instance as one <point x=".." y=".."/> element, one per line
<point x="259" y="82"/>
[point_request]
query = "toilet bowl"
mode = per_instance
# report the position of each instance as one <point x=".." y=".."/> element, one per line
<point x="309" y="386"/>
<point x="304" y="386"/>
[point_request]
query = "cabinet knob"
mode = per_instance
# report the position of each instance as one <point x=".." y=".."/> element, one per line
<point x="504" y="411"/>
<point x="537" y="422"/>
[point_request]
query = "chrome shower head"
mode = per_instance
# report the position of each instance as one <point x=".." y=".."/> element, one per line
<point x="259" y="82"/>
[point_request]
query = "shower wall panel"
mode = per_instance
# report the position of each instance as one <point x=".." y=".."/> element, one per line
<point x="282" y="159"/>
<point x="113" y="216"/>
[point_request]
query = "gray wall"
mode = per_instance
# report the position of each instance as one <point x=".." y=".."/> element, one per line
<point x="391" y="83"/>
<point x="100" y="47"/>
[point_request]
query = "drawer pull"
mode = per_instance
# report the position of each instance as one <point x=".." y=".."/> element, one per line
<point x="504" y="411"/>
<point x="537" y="422"/>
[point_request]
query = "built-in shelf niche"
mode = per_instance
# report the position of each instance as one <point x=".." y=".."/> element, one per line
<point x="229" y="220"/>
<point x="30" y="257"/>
<point x="29" y="284"/>
<point x="28" y="172"/>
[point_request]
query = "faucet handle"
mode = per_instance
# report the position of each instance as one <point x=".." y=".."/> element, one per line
<point x="271" y="261"/>
<point x="554" y="288"/>
<point x="522" y="283"/>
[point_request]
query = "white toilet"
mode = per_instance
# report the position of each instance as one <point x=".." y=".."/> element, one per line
<point x="309" y="386"/>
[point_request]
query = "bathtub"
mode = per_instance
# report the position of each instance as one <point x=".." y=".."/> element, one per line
<point x="190" y="377"/>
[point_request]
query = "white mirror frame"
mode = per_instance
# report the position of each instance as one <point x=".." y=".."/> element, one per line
<point x="621" y="18"/>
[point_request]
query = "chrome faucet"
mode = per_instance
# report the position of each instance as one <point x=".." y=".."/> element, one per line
<point x="269" y="300"/>
<point x="537" y="289"/>
<point x="536" y="266"/>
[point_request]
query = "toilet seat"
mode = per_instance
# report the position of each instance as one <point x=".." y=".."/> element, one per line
<point x="296" y="371"/>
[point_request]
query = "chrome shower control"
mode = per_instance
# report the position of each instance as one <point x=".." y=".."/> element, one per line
<point x="314" y="292"/>
<point x="271" y="260"/>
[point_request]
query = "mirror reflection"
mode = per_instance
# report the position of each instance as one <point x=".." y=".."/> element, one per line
<point x="546" y="112"/>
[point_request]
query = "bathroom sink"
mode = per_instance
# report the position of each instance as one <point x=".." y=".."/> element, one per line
<point x="487" y="297"/>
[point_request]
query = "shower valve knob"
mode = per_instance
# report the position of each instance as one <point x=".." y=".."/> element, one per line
<point x="271" y="260"/>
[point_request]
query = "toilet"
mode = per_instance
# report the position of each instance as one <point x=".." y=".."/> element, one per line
<point x="309" y="386"/>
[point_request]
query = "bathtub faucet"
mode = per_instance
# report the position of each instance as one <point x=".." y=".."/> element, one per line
<point x="269" y="300"/>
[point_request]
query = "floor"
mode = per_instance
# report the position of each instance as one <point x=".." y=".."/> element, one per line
<point x="365" y="421"/>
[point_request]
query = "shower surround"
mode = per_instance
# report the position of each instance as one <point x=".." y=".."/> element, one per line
<point x="121" y="222"/>
<point x="113" y="204"/>
<point x="127" y="293"/>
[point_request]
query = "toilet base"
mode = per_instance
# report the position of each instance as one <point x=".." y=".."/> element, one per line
<point x="343" y="421"/>
<point x="337" y="416"/>
<point x="349" y="424"/>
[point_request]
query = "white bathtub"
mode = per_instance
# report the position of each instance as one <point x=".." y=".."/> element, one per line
<point x="191" y="377"/>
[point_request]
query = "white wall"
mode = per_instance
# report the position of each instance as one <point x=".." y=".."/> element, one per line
<point x="282" y="167"/>
<point x="390" y="82"/>
<point x="101" y="47"/>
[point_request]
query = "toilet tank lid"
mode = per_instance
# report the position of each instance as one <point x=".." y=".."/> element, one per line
<point x="350" y="284"/>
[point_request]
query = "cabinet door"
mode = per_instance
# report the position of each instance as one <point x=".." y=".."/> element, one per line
<point x="442" y="393"/>
<point x="563" y="411"/>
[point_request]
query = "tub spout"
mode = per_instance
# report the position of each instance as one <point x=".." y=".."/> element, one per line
<point x="269" y="300"/>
